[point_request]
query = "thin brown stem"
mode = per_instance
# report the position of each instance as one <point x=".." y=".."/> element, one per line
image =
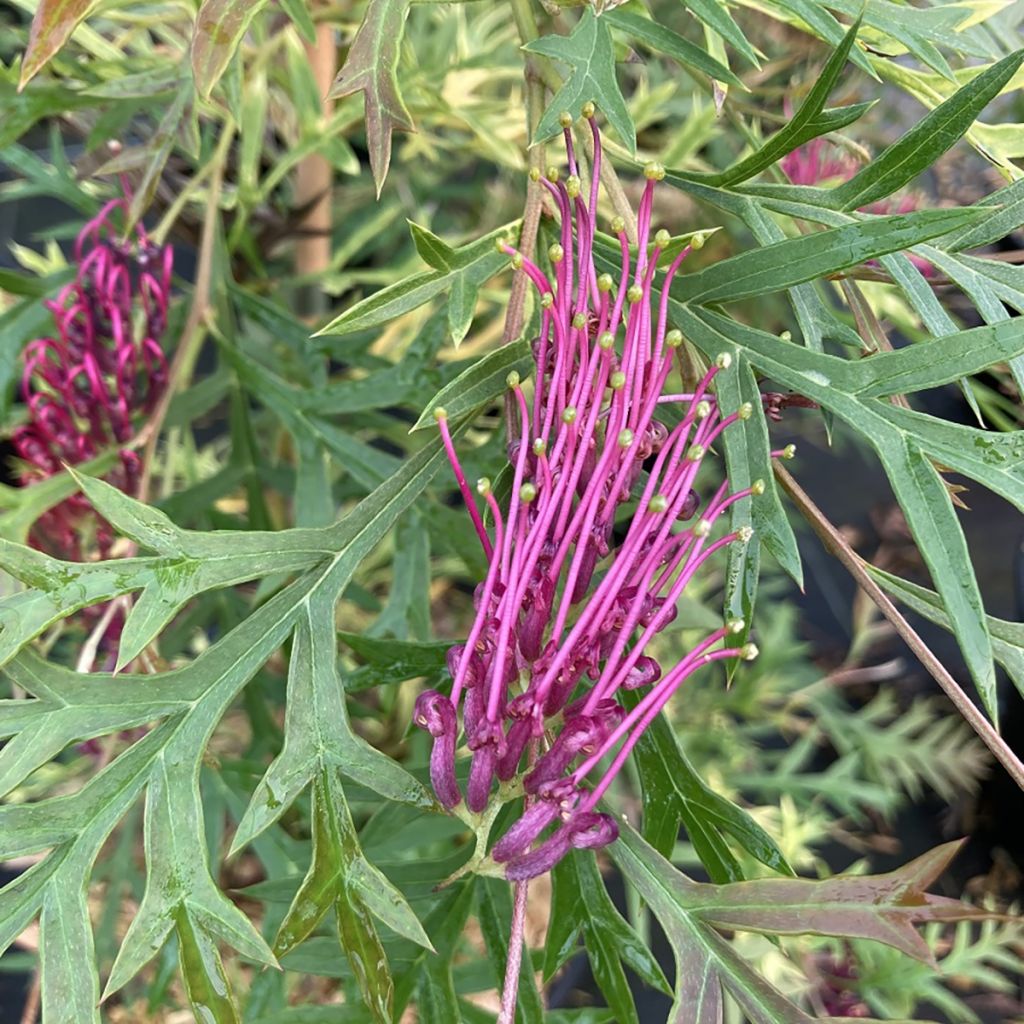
<point x="835" y="543"/>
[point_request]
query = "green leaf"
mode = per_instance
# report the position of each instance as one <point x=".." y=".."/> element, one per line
<point x="846" y="388"/>
<point x="435" y="253"/>
<point x="582" y="904"/>
<point x="480" y="383"/>
<point x="674" y="792"/>
<point x="588" y="51"/>
<point x="1007" y="637"/>
<point x="206" y="984"/>
<point x="52" y="24"/>
<point x="664" y="40"/>
<point x="810" y="121"/>
<point x="477" y="262"/>
<point x="371" y="68"/>
<point x="904" y="159"/>
<point x="391" y="661"/>
<point x="220" y="26"/>
<point x="809" y="257"/>
<point x="158" y="149"/>
<point x="715" y="15"/>
<point x="318" y="736"/>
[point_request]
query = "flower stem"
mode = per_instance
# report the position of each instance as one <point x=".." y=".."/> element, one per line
<point x="510" y="989"/>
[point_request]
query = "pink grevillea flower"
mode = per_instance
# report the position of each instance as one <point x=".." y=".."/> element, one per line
<point x="604" y="529"/>
<point x="89" y="385"/>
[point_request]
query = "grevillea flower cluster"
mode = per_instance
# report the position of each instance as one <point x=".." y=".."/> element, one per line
<point x="604" y="529"/>
<point x="89" y="385"/>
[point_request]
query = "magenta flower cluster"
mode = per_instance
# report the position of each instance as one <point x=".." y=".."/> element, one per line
<point x="88" y="386"/>
<point x="604" y="529"/>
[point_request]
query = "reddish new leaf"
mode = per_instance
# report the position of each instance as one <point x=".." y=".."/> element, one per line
<point x="371" y="69"/>
<point x="220" y="25"/>
<point x="881" y="907"/>
<point x="52" y="23"/>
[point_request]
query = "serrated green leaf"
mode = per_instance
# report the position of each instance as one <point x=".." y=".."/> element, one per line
<point x="588" y="51"/>
<point x="810" y="121"/>
<point x="662" y="39"/>
<point x="810" y="257"/>
<point x="715" y="15"/>
<point x="904" y="159"/>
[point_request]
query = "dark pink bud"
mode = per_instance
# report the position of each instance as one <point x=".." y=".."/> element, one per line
<point x="539" y="861"/>
<point x="515" y="743"/>
<point x="690" y="505"/>
<point x="590" y="830"/>
<point x="481" y="776"/>
<point x="435" y="713"/>
<point x="518" y="839"/>
<point x="577" y="735"/>
<point x="643" y="673"/>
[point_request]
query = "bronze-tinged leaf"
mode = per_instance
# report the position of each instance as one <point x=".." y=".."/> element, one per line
<point x="52" y="23"/>
<point x="220" y="25"/>
<point x="371" y="69"/>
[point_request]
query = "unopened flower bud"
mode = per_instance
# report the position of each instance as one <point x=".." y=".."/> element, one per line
<point x="617" y="380"/>
<point x="662" y="238"/>
<point x="605" y="340"/>
<point x="483" y="487"/>
<point x="552" y="174"/>
<point x="579" y="320"/>
<point x="748" y="652"/>
<point x="635" y="293"/>
<point x="534" y="174"/>
<point x="569" y="414"/>
<point x="589" y="109"/>
<point x="540" y="447"/>
<point x="513" y="380"/>
<point x="701" y="528"/>
<point x="789" y="452"/>
<point x="723" y="360"/>
<point x="757" y="488"/>
<point x="572" y="186"/>
<point x="618" y="225"/>
<point x="658" y="503"/>
<point x="654" y="171"/>
<point x="547" y="300"/>
<point x="605" y="282"/>
<point x="745" y="411"/>
<point x="702" y="410"/>
<point x="744" y="534"/>
<point x="674" y="338"/>
<point x="735" y="626"/>
<point x="516" y="261"/>
<point x="697" y="240"/>
<point x="565" y="119"/>
<point x="696" y="452"/>
<point x="556" y="253"/>
<point x="527" y="492"/>
<point x="440" y="413"/>
<point x="625" y="438"/>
